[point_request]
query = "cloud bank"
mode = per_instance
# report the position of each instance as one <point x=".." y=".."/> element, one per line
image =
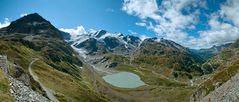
<point x="172" y="18"/>
<point x="74" y="32"/>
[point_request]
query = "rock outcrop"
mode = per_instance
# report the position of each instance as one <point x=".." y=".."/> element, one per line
<point x="228" y="92"/>
<point x="19" y="90"/>
<point x="22" y="93"/>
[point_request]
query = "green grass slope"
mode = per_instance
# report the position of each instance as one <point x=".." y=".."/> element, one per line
<point x="73" y="88"/>
<point x="220" y="69"/>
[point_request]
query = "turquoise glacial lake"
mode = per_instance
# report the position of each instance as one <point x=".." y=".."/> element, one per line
<point x="124" y="80"/>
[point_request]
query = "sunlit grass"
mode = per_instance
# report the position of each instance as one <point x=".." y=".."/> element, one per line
<point x="66" y="87"/>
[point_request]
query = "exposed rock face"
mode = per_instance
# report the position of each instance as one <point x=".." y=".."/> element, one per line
<point x="33" y="24"/>
<point x="102" y="42"/>
<point x="222" y="69"/>
<point x="132" y="40"/>
<point x="92" y="46"/>
<point x="3" y="62"/>
<point x="111" y="42"/>
<point x="100" y="33"/>
<point x="171" y="59"/>
<point x="228" y="92"/>
<point x="23" y="93"/>
<point x="19" y="90"/>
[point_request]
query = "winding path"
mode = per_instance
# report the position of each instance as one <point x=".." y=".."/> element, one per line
<point x="49" y="93"/>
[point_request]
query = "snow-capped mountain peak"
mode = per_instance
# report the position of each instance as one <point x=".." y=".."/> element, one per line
<point x="102" y="40"/>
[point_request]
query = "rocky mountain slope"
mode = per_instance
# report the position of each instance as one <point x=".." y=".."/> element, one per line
<point x="207" y="67"/>
<point x="32" y="37"/>
<point x="229" y="91"/>
<point x="160" y="63"/>
<point x="166" y="57"/>
<point x="101" y="42"/>
<point x="222" y="67"/>
<point x="38" y="34"/>
<point x="207" y="53"/>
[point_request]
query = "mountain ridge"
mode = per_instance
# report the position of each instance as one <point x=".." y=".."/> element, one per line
<point x="33" y="37"/>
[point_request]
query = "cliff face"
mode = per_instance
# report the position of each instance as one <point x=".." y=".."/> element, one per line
<point x="20" y="91"/>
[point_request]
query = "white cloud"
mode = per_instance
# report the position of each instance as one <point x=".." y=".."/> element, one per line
<point x="219" y="33"/>
<point x="23" y="14"/>
<point x="74" y="31"/>
<point x="140" y="24"/>
<point x="141" y="8"/>
<point x="230" y="11"/>
<point x="167" y="20"/>
<point x="5" y="23"/>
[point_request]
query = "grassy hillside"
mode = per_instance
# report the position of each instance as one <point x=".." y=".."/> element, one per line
<point x="158" y="86"/>
<point x="146" y="72"/>
<point x="5" y="95"/>
<point x="21" y="56"/>
<point x="216" y="79"/>
<point x="169" y="59"/>
<point x="162" y="89"/>
<point x="32" y="37"/>
<point x="220" y="68"/>
<point x="67" y="88"/>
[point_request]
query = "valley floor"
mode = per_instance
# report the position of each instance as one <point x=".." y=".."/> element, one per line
<point x="146" y="93"/>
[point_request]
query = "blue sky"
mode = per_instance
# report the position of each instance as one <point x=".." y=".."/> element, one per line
<point x="192" y="23"/>
<point x="92" y="14"/>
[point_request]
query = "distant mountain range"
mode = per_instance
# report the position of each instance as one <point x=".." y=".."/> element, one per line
<point x="210" y="52"/>
<point x="157" y="51"/>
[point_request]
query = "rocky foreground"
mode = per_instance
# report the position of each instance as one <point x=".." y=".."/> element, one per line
<point x="228" y="92"/>
<point x="19" y="90"/>
<point x="22" y="93"/>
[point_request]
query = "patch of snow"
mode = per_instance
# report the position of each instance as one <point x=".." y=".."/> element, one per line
<point x="128" y="39"/>
<point x="158" y="40"/>
<point x="92" y="31"/>
<point x="109" y="35"/>
<point x="126" y="46"/>
<point x="81" y="39"/>
<point x="81" y="52"/>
